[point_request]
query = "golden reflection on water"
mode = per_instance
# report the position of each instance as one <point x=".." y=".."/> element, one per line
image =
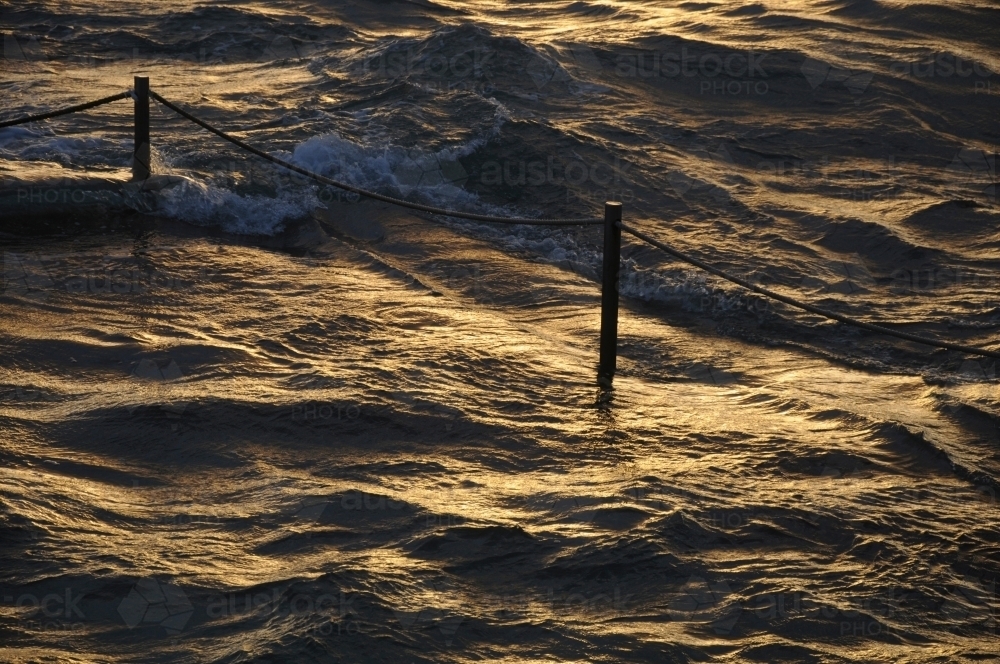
<point x="763" y="464"/>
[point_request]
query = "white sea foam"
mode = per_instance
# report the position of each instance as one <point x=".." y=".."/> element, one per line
<point x="202" y="203"/>
<point x="437" y="177"/>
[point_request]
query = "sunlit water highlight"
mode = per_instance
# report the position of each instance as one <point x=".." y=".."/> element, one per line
<point x="240" y="435"/>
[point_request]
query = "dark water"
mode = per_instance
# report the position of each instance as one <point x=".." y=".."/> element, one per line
<point x="244" y="418"/>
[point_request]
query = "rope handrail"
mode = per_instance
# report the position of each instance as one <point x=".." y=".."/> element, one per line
<point x="873" y="327"/>
<point x="365" y="192"/>
<point x="613" y="226"/>
<point x="66" y="111"/>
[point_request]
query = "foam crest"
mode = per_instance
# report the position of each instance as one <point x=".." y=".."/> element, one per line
<point x="436" y="177"/>
<point x="201" y="203"/>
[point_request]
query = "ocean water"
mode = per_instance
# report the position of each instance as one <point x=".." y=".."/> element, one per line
<point x="247" y="418"/>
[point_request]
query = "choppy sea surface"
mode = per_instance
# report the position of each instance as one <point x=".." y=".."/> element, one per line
<point x="248" y="418"/>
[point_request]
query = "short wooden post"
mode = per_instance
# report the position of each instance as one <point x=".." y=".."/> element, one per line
<point x="609" y="293"/>
<point x="141" y="166"/>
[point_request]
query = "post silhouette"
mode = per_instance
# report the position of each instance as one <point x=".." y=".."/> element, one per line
<point x="141" y="166"/>
<point x="609" y="293"/>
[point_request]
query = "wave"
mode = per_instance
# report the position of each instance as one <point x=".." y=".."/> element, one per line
<point x="198" y="36"/>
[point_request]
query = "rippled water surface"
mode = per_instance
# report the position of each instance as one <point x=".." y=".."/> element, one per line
<point x="246" y="418"/>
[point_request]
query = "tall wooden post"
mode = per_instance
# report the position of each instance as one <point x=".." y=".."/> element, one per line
<point x="141" y="167"/>
<point x="609" y="293"/>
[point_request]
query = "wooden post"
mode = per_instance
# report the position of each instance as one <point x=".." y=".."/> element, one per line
<point x="609" y="293"/>
<point x="141" y="167"/>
